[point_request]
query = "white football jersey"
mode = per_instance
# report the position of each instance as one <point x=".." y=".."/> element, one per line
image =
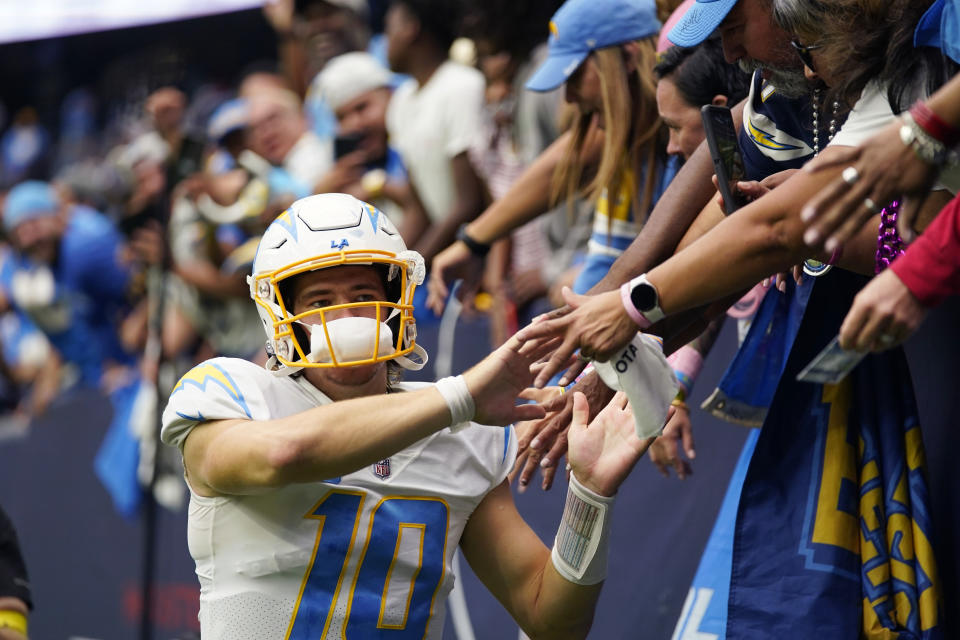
<point x="367" y="555"/>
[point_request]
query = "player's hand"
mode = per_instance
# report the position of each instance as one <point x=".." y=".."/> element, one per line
<point x="597" y="325"/>
<point x="604" y="451"/>
<point x="456" y="262"/>
<point x="499" y="379"/>
<point x="884" y="314"/>
<point x="544" y="442"/>
<point x="677" y="436"/>
<point x="886" y="170"/>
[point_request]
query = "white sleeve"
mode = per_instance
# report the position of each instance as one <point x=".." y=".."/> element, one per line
<point x="218" y="389"/>
<point x="464" y="107"/>
<point x="871" y="113"/>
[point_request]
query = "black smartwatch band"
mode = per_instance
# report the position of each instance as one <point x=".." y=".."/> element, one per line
<point x="476" y="248"/>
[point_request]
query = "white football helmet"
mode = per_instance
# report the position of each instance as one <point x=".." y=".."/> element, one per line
<point x="321" y="232"/>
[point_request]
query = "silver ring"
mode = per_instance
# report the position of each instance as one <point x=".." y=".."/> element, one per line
<point x="871" y="205"/>
<point x="886" y="339"/>
<point x="850" y="175"/>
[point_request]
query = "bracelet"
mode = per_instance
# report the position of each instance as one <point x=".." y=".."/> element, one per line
<point x="935" y="126"/>
<point x="679" y="403"/>
<point x="687" y="363"/>
<point x="927" y="148"/>
<point x="580" y="549"/>
<point x="462" y="409"/>
<point x="477" y="248"/>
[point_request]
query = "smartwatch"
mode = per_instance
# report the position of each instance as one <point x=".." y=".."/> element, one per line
<point x="641" y="301"/>
<point x="478" y="249"/>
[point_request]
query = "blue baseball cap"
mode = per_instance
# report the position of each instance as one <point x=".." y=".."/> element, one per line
<point x="582" y="26"/>
<point x="230" y="116"/>
<point x="940" y="27"/>
<point x="699" y="22"/>
<point x="29" y="200"/>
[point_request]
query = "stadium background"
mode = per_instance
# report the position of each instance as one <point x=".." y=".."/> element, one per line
<point x="85" y="560"/>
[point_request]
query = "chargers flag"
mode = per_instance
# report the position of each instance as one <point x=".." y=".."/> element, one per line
<point x="833" y="533"/>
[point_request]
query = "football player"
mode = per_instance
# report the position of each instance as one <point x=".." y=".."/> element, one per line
<point x="328" y="497"/>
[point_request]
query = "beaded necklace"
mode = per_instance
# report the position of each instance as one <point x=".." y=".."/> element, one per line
<point x="889" y="242"/>
<point x="813" y="267"/>
<point x="831" y="129"/>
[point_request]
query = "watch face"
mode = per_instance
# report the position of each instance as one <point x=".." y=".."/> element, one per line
<point x="644" y="297"/>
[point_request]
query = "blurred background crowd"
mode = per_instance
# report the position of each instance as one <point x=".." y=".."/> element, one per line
<point x="139" y="167"/>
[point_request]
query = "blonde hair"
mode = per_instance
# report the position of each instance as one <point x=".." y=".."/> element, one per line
<point x="634" y="135"/>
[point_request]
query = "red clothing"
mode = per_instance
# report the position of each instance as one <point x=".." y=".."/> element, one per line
<point x="930" y="268"/>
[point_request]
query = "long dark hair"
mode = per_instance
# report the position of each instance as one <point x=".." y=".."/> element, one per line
<point x="865" y="40"/>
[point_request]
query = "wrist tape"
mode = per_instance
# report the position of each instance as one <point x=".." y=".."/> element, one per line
<point x="580" y="548"/>
<point x="462" y="409"/>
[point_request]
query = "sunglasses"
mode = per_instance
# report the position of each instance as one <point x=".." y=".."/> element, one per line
<point x="804" y="50"/>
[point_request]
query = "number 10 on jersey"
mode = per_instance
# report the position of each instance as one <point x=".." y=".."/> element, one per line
<point x="396" y="579"/>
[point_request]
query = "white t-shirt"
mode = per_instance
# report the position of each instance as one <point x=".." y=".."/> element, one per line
<point x="432" y="124"/>
<point x="372" y="549"/>
<point x="309" y="159"/>
<point x="872" y="113"/>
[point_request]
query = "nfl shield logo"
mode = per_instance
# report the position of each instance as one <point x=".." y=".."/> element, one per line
<point x="382" y="469"/>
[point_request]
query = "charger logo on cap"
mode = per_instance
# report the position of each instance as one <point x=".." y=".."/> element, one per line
<point x="553" y="29"/>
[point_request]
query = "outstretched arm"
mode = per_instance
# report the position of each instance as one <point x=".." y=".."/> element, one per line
<point x="886" y="169"/>
<point x="527" y="198"/>
<point x="249" y="456"/>
<point x="762" y="238"/>
<point x="524" y="574"/>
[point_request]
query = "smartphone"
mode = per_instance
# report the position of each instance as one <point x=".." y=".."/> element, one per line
<point x="727" y="161"/>
<point x="344" y="144"/>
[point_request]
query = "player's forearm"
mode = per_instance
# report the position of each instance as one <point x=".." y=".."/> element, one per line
<point x="562" y="609"/>
<point x="674" y="212"/>
<point x="321" y="443"/>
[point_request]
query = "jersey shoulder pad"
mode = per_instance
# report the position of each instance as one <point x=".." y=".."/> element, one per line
<point x="217" y="389"/>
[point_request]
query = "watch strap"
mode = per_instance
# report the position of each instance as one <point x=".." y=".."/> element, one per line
<point x="638" y="318"/>
<point x="477" y="248"/>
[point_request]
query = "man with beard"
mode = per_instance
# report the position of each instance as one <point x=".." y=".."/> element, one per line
<point x="832" y="512"/>
<point x="69" y="276"/>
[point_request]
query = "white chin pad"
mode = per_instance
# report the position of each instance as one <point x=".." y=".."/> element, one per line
<point x="643" y="373"/>
<point x="352" y="339"/>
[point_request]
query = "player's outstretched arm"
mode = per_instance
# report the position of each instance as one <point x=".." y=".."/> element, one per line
<point x="554" y="594"/>
<point x="248" y="456"/>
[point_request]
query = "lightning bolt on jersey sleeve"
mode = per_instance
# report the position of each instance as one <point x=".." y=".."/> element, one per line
<point x="218" y="389"/>
<point x="350" y="557"/>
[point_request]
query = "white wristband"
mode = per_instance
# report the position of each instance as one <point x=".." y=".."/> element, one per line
<point x="580" y="548"/>
<point x="454" y="390"/>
